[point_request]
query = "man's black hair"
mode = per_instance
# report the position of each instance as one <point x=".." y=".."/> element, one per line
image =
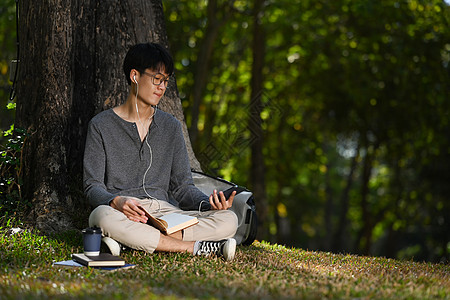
<point x="147" y="56"/>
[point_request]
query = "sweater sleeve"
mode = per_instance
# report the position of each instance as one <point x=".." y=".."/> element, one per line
<point x="94" y="163"/>
<point x="182" y="187"/>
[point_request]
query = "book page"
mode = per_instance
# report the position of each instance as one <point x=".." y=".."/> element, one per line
<point x="159" y="224"/>
<point x="177" y="222"/>
<point x="170" y="223"/>
<point x="175" y="219"/>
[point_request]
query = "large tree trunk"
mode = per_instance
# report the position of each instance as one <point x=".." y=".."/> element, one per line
<point x="71" y="69"/>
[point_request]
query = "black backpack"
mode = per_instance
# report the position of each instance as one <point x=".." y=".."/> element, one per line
<point x="243" y="204"/>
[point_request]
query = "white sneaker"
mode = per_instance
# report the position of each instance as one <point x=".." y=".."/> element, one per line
<point x="114" y="246"/>
<point x="224" y="248"/>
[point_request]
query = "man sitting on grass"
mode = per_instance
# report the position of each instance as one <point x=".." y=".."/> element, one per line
<point x="135" y="156"/>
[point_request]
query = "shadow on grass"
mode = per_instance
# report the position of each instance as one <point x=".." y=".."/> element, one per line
<point x="72" y="238"/>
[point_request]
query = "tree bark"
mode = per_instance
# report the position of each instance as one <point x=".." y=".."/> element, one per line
<point x="45" y="91"/>
<point x="70" y="69"/>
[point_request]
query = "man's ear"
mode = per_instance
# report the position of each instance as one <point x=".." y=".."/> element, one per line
<point x="134" y="76"/>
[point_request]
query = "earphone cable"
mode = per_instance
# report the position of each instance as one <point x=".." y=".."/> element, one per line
<point x="149" y="148"/>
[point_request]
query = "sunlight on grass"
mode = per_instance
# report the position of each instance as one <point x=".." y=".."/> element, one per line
<point x="261" y="270"/>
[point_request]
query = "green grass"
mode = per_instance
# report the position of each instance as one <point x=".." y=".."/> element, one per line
<point x="260" y="271"/>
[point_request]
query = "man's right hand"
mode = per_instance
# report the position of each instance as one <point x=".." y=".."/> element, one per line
<point x="130" y="206"/>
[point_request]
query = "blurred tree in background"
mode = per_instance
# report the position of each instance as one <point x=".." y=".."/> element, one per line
<point x="7" y="54"/>
<point x="354" y="108"/>
<point x="351" y="116"/>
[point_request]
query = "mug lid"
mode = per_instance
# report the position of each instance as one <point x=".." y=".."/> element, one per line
<point x="92" y="230"/>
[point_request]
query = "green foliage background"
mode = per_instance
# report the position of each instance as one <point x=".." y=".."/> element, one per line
<point x="355" y="118"/>
<point x="7" y="53"/>
<point x="362" y="82"/>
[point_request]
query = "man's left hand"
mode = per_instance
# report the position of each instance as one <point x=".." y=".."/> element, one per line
<point x="219" y="202"/>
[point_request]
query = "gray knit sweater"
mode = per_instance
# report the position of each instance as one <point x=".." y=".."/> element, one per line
<point x="115" y="161"/>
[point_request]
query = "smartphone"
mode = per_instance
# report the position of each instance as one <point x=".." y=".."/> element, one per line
<point x="227" y="192"/>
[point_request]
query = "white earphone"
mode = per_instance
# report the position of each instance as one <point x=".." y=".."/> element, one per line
<point x="148" y="144"/>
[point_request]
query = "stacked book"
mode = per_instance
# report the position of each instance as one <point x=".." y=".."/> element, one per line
<point x="102" y="260"/>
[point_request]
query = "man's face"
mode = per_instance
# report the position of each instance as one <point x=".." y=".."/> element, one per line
<point x="152" y="86"/>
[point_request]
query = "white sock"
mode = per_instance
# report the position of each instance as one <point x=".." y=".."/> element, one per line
<point x="196" y="247"/>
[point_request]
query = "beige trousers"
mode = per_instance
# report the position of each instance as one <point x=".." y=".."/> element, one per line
<point x="213" y="225"/>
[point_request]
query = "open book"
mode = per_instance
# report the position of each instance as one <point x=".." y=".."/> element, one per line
<point x="170" y="223"/>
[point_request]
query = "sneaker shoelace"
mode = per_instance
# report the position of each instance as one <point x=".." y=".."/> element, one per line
<point x="209" y="248"/>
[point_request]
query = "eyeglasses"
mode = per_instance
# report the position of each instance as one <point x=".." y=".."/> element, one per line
<point x="158" y="78"/>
